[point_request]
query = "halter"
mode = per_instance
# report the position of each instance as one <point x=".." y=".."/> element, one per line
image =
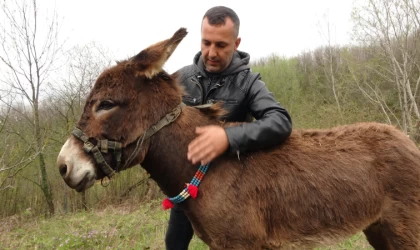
<point x="103" y="146"/>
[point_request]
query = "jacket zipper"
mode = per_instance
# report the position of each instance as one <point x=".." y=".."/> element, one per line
<point x="218" y="85"/>
<point x="201" y="89"/>
<point x="208" y="92"/>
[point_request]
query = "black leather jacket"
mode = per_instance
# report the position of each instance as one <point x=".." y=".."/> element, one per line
<point x="245" y="96"/>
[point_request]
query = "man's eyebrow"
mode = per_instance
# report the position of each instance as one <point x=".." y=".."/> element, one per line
<point x="221" y="43"/>
<point x="217" y="43"/>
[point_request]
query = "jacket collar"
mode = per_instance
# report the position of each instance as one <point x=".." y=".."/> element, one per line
<point x="239" y="63"/>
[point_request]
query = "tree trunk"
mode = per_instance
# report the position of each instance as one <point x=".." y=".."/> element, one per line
<point x="46" y="190"/>
<point x="45" y="185"/>
<point x="84" y="200"/>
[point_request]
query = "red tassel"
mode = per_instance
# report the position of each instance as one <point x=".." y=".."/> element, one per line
<point x="167" y="204"/>
<point x="193" y="190"/>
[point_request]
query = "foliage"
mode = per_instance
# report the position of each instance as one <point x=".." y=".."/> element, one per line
<point x="28" y="54"/>
<point x="299" y="84"/>
<point x="389" y="33"/>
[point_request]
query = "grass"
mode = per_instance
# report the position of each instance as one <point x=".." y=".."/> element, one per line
<point x="123" y="227"/>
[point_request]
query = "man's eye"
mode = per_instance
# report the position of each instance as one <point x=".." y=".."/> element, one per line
<point x="105" y="105"/>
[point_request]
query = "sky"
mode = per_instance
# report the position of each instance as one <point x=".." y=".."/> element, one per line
<point x="124" y="27"/>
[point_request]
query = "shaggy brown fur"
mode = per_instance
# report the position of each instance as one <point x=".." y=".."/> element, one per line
<point x="318" y="187"/>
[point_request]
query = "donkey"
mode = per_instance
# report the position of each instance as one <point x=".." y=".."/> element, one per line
<point x="319" y="187"/>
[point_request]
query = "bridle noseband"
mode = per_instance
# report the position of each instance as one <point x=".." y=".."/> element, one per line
<point x="103" y="146"/>
<point x="95" y="150"/>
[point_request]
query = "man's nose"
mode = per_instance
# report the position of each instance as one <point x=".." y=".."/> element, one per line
<point x="212" y="51"/>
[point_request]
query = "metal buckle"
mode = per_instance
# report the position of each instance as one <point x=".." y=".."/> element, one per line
<point x="88" y="146"/>
<point x="170" y="117"/>
<point x="105" y="183"/>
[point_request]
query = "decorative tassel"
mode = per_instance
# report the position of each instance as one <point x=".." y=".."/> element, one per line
<point x="167" y="204"/>
<point x="190" y="191"/>
<point x="193" y="190"/>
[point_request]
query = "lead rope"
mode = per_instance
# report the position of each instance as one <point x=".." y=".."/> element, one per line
<point x="136" y="151"/>
<point x="191" y="189"/>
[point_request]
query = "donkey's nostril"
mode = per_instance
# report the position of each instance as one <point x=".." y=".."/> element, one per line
<point x="63" y="170"/>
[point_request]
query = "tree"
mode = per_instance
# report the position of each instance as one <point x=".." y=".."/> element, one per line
<point x="12" y="158"/>
<point x="391" y="29"/>
<point x="29" y="50"/>
<point x="84" y="63"/>
<point x="329" y="56"/>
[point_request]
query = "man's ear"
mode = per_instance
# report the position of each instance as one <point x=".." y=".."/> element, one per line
<point x="150" y="61"/>
<point x="237" y="42"/>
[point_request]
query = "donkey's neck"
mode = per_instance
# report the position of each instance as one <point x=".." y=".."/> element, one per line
<point x="166" y="160"/>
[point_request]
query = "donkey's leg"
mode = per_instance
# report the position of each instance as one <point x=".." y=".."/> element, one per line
<point x="399" y="228"/>
<point x="402" y="233"/>
<point x="375" y="237"/>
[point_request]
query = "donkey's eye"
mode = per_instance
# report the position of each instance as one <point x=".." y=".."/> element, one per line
<point x="105" y="105"/>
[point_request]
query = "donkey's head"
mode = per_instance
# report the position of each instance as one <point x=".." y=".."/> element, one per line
<point x="126" y="100"/>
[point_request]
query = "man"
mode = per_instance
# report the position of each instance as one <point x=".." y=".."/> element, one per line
<point x="221" y="73"/>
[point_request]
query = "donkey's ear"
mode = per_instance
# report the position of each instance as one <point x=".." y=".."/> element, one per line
<point x="150" y="61"/>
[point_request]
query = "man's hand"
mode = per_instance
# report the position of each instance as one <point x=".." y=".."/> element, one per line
<point x="211" y="142"/>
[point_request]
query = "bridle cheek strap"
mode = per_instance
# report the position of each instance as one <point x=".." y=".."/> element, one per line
<point x="166" y="120"/>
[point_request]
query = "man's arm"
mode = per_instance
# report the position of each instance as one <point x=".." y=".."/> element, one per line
<point x="273" y="124"/>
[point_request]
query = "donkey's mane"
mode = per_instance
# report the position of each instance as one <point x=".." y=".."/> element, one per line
<point x="214" y="112"/>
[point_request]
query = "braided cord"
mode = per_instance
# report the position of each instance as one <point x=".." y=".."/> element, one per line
<point x="196" y="180"/>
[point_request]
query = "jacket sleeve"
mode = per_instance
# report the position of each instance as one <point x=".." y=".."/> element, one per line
<point x="272" y="124"/>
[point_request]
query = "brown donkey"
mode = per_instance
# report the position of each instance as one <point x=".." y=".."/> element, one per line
<point x="319" y="187"/>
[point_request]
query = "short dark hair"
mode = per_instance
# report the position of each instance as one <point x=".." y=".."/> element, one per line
<point x="217" y="16"/>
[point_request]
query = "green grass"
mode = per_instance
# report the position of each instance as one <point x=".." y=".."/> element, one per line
<point x="123" y="227"/>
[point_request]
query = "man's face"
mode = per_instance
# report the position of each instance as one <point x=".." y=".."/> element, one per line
<point x="218" y="44"/>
